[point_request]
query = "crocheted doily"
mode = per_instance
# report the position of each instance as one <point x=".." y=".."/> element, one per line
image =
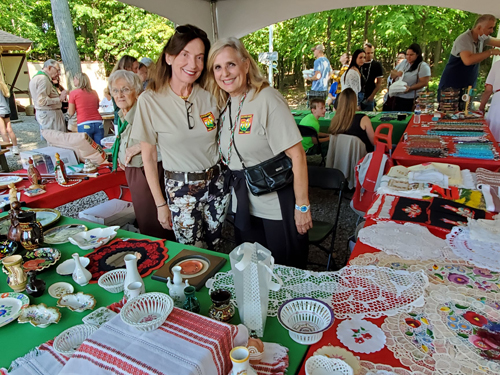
<point x="361" y="336"/>
<point x="482" y="254"/>
<point x="408" y="241"/>
<point x="369" y="291"/>
<point x="369" y="368"/>
<point x="440" y="337"/>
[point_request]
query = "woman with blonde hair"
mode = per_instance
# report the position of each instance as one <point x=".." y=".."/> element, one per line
<point x="256" y="125"/>
<point x="85" y="102"/>
<point x="5" y="125"/>
<point x="347" y="121"/>
<point x="176" y="114"/>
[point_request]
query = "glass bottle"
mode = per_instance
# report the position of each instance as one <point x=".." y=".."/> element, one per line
<point x="35" y="287"/>
<point x="191" y="303"/>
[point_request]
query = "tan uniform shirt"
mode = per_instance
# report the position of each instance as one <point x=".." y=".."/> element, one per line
<point x="43" y="93"/>
<point x="266" y="127"/>
<point x="161" y="118"/>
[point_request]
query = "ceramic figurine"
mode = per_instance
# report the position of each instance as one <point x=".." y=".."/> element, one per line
<point x="16" y="279"/>
<point x="60" y="171"/>
<point x="222" y="309"/>
<point x="176" y="288"/>
<point x="191" y="303"/>
<point x="15" y="209"/>
<point x="34" y="176"/>
<point x="81" y="275"/>
<point x="240" y="357"/>
<point x="132" y="274"/>
<point x="89" y="167"/>
<point x="31" y="231"/>
<point x="35" y="287"/>
<point x="256" y="348"/>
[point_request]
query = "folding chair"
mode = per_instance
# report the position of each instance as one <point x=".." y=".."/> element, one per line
<point x="329" y="179"/>
<point x="307" y="131"/>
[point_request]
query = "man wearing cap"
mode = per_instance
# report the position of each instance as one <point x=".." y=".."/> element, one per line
<point x="322" y="71"/>
<point x="46" y="99"/>
<point x="144" y="65"/>
<point x="468" y="51"/>
<point x="371" y="74"/>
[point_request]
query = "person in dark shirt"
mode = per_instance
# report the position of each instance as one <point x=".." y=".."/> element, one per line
<point x="372" y="74"/>
<point x="347" y="121"/>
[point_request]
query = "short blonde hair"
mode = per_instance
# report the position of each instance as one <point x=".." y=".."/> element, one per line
<point x="83" y="82"/>
<point x="255" y="78"/>
<point x="4" y="89"/>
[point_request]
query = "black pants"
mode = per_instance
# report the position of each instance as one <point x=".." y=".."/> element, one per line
<point x="404" y="105"/>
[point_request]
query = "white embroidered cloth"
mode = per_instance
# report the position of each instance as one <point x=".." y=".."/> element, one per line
<point x="368" y="291"/>
<point x="485" y="230"/>
<point x="482" y="254"/>
<point x="361" y="336"/>
<point x="408" y="241"/>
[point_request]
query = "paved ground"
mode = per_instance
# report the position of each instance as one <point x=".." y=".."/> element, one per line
<point x="323" y="203"/>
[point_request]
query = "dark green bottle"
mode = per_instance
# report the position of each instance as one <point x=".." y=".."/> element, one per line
<point x="191" y="303"/>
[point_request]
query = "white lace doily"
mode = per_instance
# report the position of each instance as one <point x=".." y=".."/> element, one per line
<point x="361" y="336"/>
<point x="369" y="291"/>
<point x="369" y="368"/>
<point x="408" y="241"/>
<point x="485" y="230"/>
<point x="436" y="339"/>
<point x="381" y="259"/>
<point x="482" y="254"/>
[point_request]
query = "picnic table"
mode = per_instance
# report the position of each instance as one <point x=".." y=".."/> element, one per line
<point x="377" y="118"/>
<point x="23" y="337"/>
<point x="402" y="157"/>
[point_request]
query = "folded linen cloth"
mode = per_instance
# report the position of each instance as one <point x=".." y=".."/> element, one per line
<point x="487" y="177"/>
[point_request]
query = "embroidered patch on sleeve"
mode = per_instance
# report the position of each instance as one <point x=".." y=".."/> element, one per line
<point x="246" y="124"/>
<point x="208" y="120"/>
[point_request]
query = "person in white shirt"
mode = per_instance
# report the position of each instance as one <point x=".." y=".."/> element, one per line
<point x="106" y="105"/>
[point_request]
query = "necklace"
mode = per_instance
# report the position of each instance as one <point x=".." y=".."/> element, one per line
<point x="368" y="75"/>
<point x="232" y="128"/>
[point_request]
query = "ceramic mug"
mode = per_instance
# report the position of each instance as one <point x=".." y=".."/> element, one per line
<point x="240" y="356"/>
<point x="134" y="289"/>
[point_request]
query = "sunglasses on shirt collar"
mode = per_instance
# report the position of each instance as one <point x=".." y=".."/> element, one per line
<point x="189" y="109"/>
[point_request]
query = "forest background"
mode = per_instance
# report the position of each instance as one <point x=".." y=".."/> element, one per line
<point x="107" y="29"/>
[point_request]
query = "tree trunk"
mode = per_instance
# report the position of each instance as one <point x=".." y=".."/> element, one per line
<point x="349" y="37"/>
<point x="367" y="22"/>
<point x="66" y="39"/>
<point x="437" y="57"/>
<point x="328" y="37"/>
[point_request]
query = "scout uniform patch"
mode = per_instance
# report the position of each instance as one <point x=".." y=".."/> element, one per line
<point x="246" y="124"/>
<point x="209" y="121"/>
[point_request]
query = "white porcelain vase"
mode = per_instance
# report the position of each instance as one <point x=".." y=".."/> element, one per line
<point x="81" y="275"/>
<point x="132" y="276"/>
<point x="176" y="288"/>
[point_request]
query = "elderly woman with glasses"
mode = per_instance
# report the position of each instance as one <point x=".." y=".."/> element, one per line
<point x="125" y="87"/>
<point x="255" y="126"/>
<point x="178" y="115"/>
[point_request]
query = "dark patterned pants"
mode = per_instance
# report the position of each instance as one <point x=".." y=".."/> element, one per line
<point x="198" y="210"/>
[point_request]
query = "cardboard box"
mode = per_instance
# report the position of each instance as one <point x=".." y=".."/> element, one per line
<point x="112" y="212"/>
<point x="45" y="158"/>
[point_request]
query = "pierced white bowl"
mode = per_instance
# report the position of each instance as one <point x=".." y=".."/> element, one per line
<point x="70" y="340"/>
<point x="148" y="311"/>
<point x="305" y="319"/>
<point x="321" y="365"/>
<point x="113" y="281"/>
<point x="94" y="238"/>
<point x="40" y="315"/>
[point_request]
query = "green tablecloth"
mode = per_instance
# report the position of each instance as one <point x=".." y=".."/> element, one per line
<point x="398" y="129"/>
<point x="19" y="339"/>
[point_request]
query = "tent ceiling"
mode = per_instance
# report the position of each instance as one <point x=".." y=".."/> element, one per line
<point x="240" y="17"/>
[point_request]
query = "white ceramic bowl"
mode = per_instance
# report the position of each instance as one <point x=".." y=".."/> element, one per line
<point x="148" y="311"/>
<point x="59" y="289"/>
<point x="69" y="341"/>
<point x="40" y="315"/>
<point x="305" y="319"/>
<point x="77" y="301"/>
<point x="112" y="281"/>
<point x="68" y="266"/>
<point x="94" y="238"/>
<point x="321" y="365"/>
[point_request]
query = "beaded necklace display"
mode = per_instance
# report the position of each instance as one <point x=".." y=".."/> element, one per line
<point x="232" y="128"/>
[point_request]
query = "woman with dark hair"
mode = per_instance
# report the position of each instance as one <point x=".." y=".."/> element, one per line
<point x="352" y="77"/>
<point x="347" y="121"/>
<point x="176" y="114"/>
<point x="415" y="73"/>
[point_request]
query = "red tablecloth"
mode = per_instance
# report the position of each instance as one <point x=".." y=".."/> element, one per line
<point x="401" y="156"/>
<point x="57" y="195"/>
<point x="384" y="356"/>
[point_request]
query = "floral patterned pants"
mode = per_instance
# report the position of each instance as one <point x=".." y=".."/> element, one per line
<point x="198" y="210"/>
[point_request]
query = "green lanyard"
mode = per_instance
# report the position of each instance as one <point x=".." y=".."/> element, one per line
<point x="122" y="125"/>
<point x="42" y="73"/>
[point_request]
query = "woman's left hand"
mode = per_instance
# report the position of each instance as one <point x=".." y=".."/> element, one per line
<point x="303" y="221"/>
<point x="131" y="152"/>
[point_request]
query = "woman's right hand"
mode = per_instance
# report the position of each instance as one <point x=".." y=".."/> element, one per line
<point x="165" y="217"/>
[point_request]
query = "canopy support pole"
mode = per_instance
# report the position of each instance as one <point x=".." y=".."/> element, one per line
<point x="215" y="23"/>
